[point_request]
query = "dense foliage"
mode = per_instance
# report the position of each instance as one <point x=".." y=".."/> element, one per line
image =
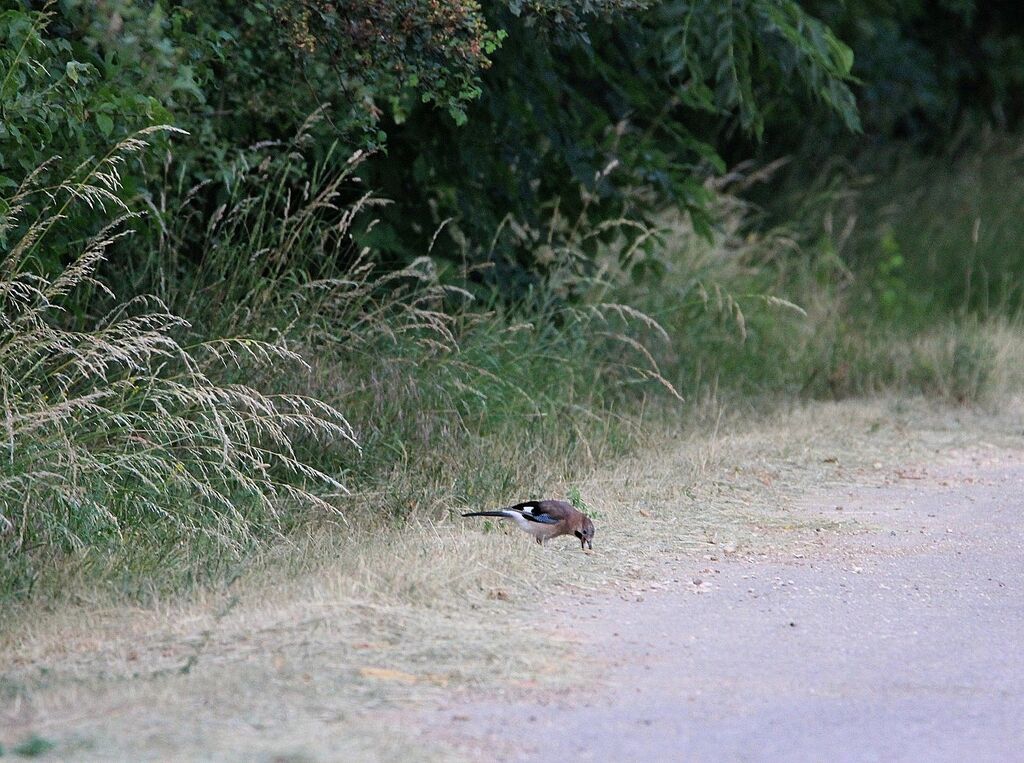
<point x="651" y="95"/>
<point x="427" y="232"/>
<point x="927" y="69"/>
<point x="556" y="92"/>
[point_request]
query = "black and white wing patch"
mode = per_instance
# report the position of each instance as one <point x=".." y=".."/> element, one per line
<point x="535" y="513"/>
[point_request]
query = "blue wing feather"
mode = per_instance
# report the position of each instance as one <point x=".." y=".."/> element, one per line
<point x="544" y="519"/>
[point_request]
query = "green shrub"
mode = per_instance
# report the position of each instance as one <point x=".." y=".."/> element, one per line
<point x="52" y="102"/>
<point x="659" y="94"/>
<point x="926" y="70"/>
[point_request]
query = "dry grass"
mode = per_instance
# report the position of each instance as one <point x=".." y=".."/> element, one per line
<point x="295" y="658"/>
<point x="114" y="426"/>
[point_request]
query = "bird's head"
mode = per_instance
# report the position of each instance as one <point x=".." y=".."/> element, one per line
<point x="586" y="534"/>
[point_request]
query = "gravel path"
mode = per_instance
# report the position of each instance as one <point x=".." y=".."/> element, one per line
<point x="903" y="642"/>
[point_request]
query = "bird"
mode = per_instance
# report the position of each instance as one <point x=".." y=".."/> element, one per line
<point x="546" y="519"/>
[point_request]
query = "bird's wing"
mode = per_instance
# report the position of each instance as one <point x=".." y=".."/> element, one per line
<point x="544" y="512"/>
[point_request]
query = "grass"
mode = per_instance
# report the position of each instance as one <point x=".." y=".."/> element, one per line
<point x="924" y="235"/>
<point x="161" y="456"/>
<point x="324" y="635"/>
<point x="969" y="255"/>
<point x="116" y="431"/>
<point x="277" y="476"/>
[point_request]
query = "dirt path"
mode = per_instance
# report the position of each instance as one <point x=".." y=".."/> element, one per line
<point x="903" y="642"/>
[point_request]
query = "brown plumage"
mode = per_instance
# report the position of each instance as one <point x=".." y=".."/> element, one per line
<point x="546" y="519"/>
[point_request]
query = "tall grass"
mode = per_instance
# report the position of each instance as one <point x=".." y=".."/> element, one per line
<point x="114" y="429"/>
<point x="931" y="234"/>
<point x="458" y="394"/>
<point x="880" y="264"/>
<point x="144" y="441"/>
<point x="135" y="436"/>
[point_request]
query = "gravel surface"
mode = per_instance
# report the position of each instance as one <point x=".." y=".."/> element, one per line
<point x="904" y="641"/>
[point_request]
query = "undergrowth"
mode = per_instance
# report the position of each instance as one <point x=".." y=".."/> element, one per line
<point x="283" y="380"/>
<point x="118" y="432"/>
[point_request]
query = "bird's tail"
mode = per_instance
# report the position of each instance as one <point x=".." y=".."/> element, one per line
<point x="486" y="514"/>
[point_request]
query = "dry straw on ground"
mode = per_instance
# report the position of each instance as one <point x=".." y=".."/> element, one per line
<point x="297" y="658"/>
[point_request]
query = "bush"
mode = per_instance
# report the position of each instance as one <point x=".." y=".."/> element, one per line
<point x="658" y="94"/>
<point x="575" y="87"/>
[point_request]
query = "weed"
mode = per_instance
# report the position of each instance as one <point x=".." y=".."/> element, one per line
<point x="113" y="429"/>
<point x="33" y="747"/>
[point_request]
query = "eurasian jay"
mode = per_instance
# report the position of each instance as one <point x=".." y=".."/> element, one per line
<point x="546" y="519"/>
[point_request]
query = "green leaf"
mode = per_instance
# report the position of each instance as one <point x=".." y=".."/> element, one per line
<point x="845" y="57"/>
<point x="458" y="115"/>
<point x="105" y="123"/>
